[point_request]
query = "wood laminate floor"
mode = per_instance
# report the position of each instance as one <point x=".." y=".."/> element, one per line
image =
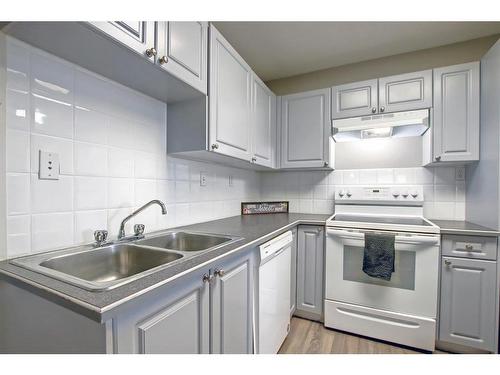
<point x="307" y="337"/>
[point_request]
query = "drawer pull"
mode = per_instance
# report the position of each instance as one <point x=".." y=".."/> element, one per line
<point x="469" y="247"/>
<point x="447" y="262"/>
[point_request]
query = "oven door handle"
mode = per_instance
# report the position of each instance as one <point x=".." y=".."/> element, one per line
<point x="410" y="239"/>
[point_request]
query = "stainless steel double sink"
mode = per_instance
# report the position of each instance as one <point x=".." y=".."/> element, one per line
<point x="116" y="264"/>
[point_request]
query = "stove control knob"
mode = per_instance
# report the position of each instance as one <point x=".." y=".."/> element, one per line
<point x="414" y="194"/>
<point x="404" y="194"/>
<point x="349" y="194"/>
<point x="395" y="193"/>
<point x="341" y="193"/>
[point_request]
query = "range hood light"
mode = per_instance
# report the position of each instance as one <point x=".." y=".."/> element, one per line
<point x="376" y="133"/>
<point x="397" y="124"/>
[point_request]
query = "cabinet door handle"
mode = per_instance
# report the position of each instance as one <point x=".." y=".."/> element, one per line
<point x="163" y="60"/>
<point x="207" y="278"/>
<point x="215" y="146"/>
<point x="150" y="52"/>
<point x="447" y="262"/>
<point x="382" y="109"/>
<point x="254" y="159"/>
<point x="438" y="158"/>
<point x="219" y="273"/>
<point x="374" y="109"/>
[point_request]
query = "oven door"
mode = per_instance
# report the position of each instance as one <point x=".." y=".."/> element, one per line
<point x="413" y="285"/>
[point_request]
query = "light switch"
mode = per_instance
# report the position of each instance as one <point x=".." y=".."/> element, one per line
<point x="49" y="166"/>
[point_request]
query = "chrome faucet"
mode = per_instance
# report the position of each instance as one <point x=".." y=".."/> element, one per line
<point x="121" y="232"/>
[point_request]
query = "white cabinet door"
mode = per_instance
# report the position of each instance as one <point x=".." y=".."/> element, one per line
<point x="182" y="51"/>
<point x="231" y="305"/>
<point x="173" y="319"/>
<point x="405" y="92"/>
<point x="355" y="99"/>
<point x="456" y="113"/>
<point x="229" y="99"/>
<point x="310" y="260"/>
<point x="139" y="36"/>
<point x="305" y="129"/>
<point x="468" y="300"/>
<point x="263" y="124"/>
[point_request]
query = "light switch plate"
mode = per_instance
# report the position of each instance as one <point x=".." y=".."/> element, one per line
<point x="49" y="166"/>
<point x="460" y="174"/>
<point x="203" y="179"/>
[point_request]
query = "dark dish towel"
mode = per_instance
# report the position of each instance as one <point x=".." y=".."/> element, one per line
<point x="378" y="257"/>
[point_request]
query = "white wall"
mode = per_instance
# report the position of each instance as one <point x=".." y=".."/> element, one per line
<point x="314" y="191"/>
<point x="112" y="147"/>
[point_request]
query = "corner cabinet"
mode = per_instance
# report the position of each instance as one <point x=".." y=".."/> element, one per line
<point x="182" y="51"/>
<point x="206" y="311"/>
<point x="305" y="130"/>
<point x="455" y="136"/>
<point x="310" y="274"/>
<point x="229" y="99"/>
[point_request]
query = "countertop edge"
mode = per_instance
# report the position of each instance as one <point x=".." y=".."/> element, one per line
<point x="470" y="232"/>
<point x="102" y="314"/>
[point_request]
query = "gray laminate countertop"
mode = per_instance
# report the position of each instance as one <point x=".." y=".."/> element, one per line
<point x="464" y="228"/>
<point x="254" y="229"/>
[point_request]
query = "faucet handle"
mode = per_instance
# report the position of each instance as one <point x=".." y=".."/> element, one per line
<point x="139" y="229"/>
<point x="100" y="236"/>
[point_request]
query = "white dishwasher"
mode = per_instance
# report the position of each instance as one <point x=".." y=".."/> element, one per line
<point x="274" y="293"/>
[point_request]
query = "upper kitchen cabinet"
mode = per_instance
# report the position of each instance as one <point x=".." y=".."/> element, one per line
<point x="139" y="36"/>
<point x="305" y="130"/>
<point x="405" y="92"/>
<point x="263" y="124"/>
<point x="130" y="53"/>
<point x="355" y="99"/>
<point x="229" y="99"/>
<point x="182" y="51"/>
<point x="455" y="135"/>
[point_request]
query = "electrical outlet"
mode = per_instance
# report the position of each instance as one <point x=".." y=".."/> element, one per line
<point x="203" y="178"/>
<point x="49" y="166"/>
<point x="460" y="174"/>
<point x="230" y="180"/>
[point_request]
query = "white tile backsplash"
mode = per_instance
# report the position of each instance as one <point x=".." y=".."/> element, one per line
<point x="444" y="197"/>
<point x="111" y="143"/>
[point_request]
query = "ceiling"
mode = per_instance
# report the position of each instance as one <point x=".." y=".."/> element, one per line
<point x="282" y="49"/>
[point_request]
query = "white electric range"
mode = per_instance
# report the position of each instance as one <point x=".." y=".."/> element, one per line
<point x="403" y="309"/>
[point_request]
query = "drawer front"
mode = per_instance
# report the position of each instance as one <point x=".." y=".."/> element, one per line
<point x="473" y="247"/>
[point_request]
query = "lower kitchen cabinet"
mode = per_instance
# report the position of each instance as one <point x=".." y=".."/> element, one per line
<point x="231" y="308"/>
<point x="206" y="311"/>
<point x="468" y="303"/>
<point x="310" y="261"/>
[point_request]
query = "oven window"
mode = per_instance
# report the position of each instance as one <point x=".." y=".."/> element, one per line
<point x="403" y="276"/>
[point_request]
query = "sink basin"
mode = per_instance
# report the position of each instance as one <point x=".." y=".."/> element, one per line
<point x="103" y="268"/>
<point x="116" y="264"/>
<point x="186" y="241"/>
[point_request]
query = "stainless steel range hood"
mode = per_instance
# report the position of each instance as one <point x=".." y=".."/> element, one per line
<point x="398" y="124"/>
